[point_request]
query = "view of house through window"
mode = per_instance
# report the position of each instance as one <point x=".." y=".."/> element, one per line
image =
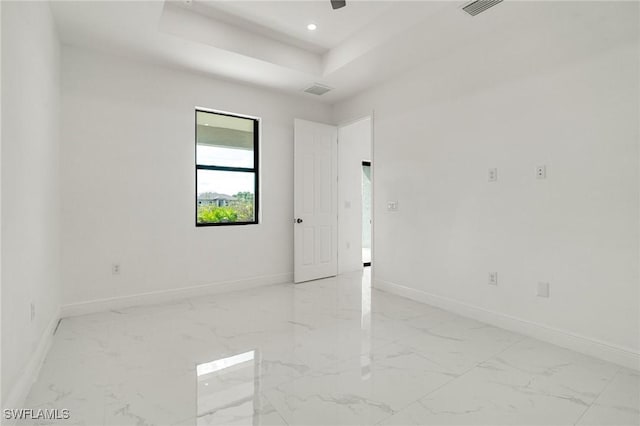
<point x="226" y="169"/>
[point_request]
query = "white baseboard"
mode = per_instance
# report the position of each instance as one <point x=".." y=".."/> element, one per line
<point x="156" y="297"/>
<point x="603" y="350"/>
<point x="18" y="394"/>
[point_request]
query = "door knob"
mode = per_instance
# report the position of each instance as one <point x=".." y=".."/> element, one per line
<point x="298" y="220"/>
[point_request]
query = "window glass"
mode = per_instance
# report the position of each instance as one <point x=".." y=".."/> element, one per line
<point x="225" y="197"/>
<point x="226" y="169"/>
<point x="224" y="140"/>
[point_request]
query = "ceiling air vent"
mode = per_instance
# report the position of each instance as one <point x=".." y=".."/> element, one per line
<point x="317" y="89"/>
<point x="480" y="6"/>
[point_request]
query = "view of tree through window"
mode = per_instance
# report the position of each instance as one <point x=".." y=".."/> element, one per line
<point x="226" y="169"/>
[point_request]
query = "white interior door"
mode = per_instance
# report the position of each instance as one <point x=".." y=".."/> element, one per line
<point x="315" y="201"/>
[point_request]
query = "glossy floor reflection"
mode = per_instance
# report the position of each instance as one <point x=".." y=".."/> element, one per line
<point x="327" y="352"/>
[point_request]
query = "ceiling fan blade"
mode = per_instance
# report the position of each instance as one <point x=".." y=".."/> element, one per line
<point x="337" y="4"/>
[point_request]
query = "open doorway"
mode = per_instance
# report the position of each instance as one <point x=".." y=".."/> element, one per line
<point x="355" y="195"/>
<point x="366" y="213"/>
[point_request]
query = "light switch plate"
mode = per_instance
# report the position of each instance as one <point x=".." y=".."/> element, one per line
<point x="493" y="278"/>
<point x="492" y="175"/>
<point x="543" y="289"/>
<point x="541" y="172"/>
<point x="392" y="206"/>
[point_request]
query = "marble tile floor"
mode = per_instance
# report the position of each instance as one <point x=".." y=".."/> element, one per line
<point x="328" y="352"/>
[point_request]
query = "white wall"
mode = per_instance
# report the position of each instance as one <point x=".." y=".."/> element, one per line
<point x="354" y="147"/>
<point x="30" y="190"/>
<point x="2" y="400"/>
<point x="568" y="99"/>
<point x="128" y="180"/>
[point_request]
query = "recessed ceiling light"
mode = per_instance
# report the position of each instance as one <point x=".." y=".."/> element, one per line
<point x="312" y="27"/>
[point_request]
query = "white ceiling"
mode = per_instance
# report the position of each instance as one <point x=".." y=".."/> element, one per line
<point x="258" y="42"/>
<point x="287" y="20"/>
<point x="266" y="42"/>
